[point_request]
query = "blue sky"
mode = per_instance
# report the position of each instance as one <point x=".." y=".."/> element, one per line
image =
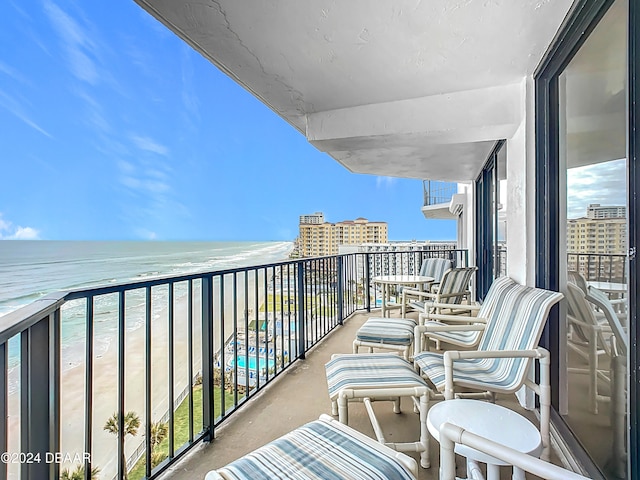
<point x="113" y="129"/>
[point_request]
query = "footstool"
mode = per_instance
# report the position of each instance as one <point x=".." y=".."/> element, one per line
<point x="379" y="377"/>
<point x="319" y="450"/>
<point x="386" y="333"/>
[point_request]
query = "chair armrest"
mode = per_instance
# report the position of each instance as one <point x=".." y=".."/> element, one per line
<point x="451" y="356"/>
<point x="421" y="330"/>
<point x="417" y="293"/>
<point x="425" y="329"/>
<point x="451" y="318"/>
<point x="589" y="326"/>
<point x="460" y="306"/>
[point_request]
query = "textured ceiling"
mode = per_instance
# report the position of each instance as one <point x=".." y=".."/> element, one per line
<point x="405" y="88"/>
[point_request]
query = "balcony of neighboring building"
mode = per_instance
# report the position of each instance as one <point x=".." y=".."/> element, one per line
<point x="442" y="200"/>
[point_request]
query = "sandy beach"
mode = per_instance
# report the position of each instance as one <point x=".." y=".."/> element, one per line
<point x="105" y="374"/>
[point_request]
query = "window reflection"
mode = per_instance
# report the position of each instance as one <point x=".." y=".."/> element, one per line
<point x="593" y="149"/>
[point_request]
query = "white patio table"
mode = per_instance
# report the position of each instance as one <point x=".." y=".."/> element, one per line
<point x="491" y="421"/>
<point x="406" y="280"/>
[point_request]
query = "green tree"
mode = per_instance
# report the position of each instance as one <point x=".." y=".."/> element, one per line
<point x="131" y="425"/>
<point x="78" y="473"/>
<point x="159" y="431"/>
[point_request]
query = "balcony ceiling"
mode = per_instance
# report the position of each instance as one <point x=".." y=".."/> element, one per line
<point x="417" y="89"/>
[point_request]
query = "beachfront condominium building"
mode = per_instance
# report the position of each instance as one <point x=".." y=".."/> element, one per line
<point x="597" y="243"/>
<point x="313" y="219"/>
<point x="324" y="238"/>
<point x="595" y="210"/>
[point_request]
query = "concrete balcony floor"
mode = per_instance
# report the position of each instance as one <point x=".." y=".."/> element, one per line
<point x="299" y="396"/>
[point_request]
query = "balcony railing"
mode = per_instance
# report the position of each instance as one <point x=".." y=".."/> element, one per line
<point x="599" y="267"/>
<point x="436" y="192"/>
<point x="187" y="352"/>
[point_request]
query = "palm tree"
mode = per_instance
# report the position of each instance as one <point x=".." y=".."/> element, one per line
<point x="78" y="473"/>
<point x="159" y="431"/>
<point x="131" y="425"/>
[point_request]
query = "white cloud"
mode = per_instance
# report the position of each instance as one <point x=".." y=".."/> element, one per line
<point x="78" y="45"/>
<point x="603" y="183"/>
<point x="385" y="182"/>
<point x="9" y="231"/>
<point x="17" y="108"/>
<point x="146" y="234"/>
<point x="149" y="145"/>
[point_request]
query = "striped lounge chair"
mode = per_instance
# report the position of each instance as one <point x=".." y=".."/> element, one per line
<point x="320" y="450"/>
<point x="588" y="338"/>
<point x="501" y="362"/>
<point x="435" y="268"/>
<point x="459" y="330"/>
<point x="452" y="290"/>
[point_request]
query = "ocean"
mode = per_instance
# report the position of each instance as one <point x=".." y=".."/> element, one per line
<point x="32" y="269"/>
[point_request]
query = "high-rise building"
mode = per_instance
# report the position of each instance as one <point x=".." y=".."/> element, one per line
<point x="597" y="244"/>
<point x="318" y="238"/>
<point x="313" y="219"/>
<point x="595" y="210"/>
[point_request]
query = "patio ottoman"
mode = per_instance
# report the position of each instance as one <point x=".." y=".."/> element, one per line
<point x="386" y="333"/>
<point x="374" y="377"/>
<point x="319" y="450"/>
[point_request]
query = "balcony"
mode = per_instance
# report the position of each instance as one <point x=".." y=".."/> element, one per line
<point x="300" y="396"/>
<point x="192" y="352"/>
<point x="441" y="200"/>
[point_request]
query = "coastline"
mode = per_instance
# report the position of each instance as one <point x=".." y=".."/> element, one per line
<point x="105" y="374"/>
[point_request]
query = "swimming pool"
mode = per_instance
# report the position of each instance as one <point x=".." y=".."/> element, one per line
<point x="252" y="363"/>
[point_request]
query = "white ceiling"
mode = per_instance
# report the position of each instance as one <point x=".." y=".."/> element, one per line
<point x="401" y="88"/>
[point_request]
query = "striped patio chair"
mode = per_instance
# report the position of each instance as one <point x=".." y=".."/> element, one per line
<point x="589" y="339"/>
<point x="435" y="268"/>
<point x="319" y="450"/>
<point x="460" y="330"/>
<point x="501" y="362"/>
<point x="452" y="291"/>
<point x="618" y="349"/>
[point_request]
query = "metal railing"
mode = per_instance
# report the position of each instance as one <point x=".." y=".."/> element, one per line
<point x="237" y="330"/>
<point x="599" y="267"/>
<point x="437" y="192"/>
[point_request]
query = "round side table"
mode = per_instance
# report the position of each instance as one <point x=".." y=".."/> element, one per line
<point x="491" y="421"/>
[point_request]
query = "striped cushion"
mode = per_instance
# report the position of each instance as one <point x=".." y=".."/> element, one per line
<point x="454" y="281"/>
<point x="435" y="267"/>
<point x="599" y="298"/>
<point x="375" y="370"/>
<point x="579" y="309"/>
<point x="392" y="331"/>
<point x="316" y="451"/>
<point x="462" y="338"/>
<point x="517" y="315"/>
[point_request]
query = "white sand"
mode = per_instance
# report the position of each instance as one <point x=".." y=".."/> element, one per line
<point x="105" y="377"/>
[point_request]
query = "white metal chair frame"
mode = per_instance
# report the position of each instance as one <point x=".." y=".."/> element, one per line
<point x="508" y="302"/>
<point x="451" y="434"/>
<point x="451" y="292"/>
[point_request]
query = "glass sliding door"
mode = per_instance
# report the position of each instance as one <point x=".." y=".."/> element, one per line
<point x="491" y="253"/>
<point x="586" y="212"/>
<point x="592" y="154"/>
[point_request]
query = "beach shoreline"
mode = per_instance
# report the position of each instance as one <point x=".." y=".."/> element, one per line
<point x="105" y="373"/>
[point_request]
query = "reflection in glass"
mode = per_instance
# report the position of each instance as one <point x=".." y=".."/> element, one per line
<point x="593" y="149"/>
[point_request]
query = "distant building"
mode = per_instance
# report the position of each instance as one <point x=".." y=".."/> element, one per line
<point x="595" y="210"/>
<point x="313" y="219"/>
<point x="597" y="244"/>
<point x="319" y="238"/>
<point x="400" y="262"/>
